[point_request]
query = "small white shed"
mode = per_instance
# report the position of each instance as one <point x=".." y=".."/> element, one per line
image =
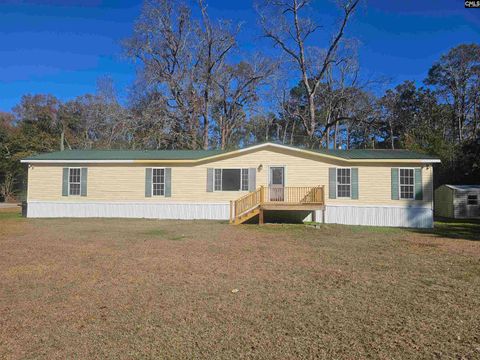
<point x="458" y="201"/>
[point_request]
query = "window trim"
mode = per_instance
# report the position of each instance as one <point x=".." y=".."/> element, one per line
<point x="221" y="178"/>
<point x="336" y="180"/>
<point x="80" y="182"/>
<point x="151" y="185"/>
<point x="400" y="185"/>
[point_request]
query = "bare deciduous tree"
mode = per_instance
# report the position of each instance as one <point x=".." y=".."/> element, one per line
<point x="238" y="91"/>
<point x="216" y="42"/>
<point x="164" y="41"/>
<point x="457" y="77"/>
<point x="181" y="60"/>
<point x="282" y="23"/>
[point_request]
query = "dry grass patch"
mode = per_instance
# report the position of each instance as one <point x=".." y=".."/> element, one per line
<point x="111" y="288"/>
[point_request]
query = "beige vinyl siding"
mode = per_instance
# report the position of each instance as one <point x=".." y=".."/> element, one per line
<point x="126" y="182"/>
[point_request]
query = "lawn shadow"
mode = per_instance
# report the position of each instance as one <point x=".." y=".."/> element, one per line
<point x="454" y="229"/>
<point x="10" y="215"/>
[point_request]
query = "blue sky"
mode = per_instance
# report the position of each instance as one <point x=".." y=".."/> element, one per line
<point x="62" y="46"/>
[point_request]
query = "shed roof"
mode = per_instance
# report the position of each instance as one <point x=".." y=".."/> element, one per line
<point x="196" y="155"/>
<point x="463" y="187"/>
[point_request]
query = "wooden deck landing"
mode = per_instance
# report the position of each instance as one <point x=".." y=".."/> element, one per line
<point x="281" y="199"/>
<point x="293" y="207"/>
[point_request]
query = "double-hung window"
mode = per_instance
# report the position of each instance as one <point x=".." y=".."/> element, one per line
<point x="407" y="183"/>
<point x="231" y="179"/>
<point x="344" y="186"/>
<point x="74" y="181"/>
<point x="158" y="182"/>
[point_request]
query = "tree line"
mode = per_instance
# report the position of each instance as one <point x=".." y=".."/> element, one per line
<point x="196" y="89"/>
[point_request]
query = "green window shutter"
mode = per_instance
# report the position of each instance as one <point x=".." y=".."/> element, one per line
<point x="148" y="182"/>
<point x="418" y="184"/>
<point x="332" y="183"/>
<point x="395" y="184"/>
<point x="209" y="180"/>
<point x="83" y="181"/>
<point x="252" y="179"/>
<point x="168" y="182"/>
<point x="65" y="182"/>
<point x="354" y="182"/>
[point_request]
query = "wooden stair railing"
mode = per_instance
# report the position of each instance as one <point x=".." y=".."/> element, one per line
<point x="246" y="203"/>
<point x="295" y="195"/>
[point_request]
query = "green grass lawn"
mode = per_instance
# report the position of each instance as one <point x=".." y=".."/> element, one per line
<point x="123" y="289"/>
<point x="458" y="229"/>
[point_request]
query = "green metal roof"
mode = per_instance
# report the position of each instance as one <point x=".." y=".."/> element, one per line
<point x="108" y="155"/>
<point x="381" y="154"/>
<point x="125" y="155"/>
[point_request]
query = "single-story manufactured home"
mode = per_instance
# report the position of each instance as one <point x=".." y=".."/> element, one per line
<point x="359" y="187"/>
<point x="458" y="201"/>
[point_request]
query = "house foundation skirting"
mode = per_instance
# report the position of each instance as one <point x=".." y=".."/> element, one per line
<point x="397" y="216"/>
<point x="167" y="210"/>
<point x="417" y="217"/>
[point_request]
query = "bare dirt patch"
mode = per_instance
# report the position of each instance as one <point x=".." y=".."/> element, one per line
<point x="116" y="288"/>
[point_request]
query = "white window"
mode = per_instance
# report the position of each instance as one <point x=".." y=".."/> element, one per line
<point x="343" y="183"/>
<point x="407" y="184"/>
<point x="74" y="181"/>
<point x="231" y="179"/>
<point x="158" y="182"/>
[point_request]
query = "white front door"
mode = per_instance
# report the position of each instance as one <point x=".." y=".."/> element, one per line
<point x="277" y="183"/>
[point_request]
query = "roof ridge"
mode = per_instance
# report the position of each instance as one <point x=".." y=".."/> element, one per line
<point x="66" y="150"/>
<point x="201" y="154"/>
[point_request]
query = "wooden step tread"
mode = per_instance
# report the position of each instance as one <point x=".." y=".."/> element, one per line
<point x="246" y="216"/>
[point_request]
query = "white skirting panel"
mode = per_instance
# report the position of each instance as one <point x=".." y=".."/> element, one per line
<point x="419" y="217"/>
<point x="414" y="217"/>
<point x="183" y="211"/>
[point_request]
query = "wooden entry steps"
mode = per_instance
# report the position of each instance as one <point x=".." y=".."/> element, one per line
<point x="286" y="199"/>
<point x="247" y="216"/>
